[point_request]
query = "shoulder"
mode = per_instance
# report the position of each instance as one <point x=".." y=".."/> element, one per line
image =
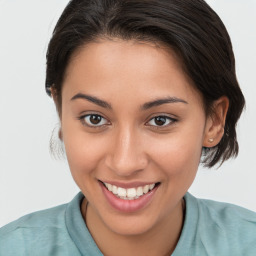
<point x="49" y="217"/>
<point x="226" y="226"/>
<point x="228" y="215"/>
<point x="42" y="230"/>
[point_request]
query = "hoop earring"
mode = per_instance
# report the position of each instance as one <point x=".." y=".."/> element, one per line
<point x="56" y="145"/>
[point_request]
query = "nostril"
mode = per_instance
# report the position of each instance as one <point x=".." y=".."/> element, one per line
<point x="125" y="166"/>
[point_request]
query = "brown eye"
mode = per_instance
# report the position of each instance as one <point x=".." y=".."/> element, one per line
<point x="160" y="120"/>
<point x="163" y="121"/>
<point x="94" y="120"/>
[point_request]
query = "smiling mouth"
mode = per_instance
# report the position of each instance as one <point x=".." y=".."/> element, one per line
<point x="130" y="193"/>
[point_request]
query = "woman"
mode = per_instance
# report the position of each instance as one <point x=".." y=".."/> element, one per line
<point x="145" y="90"/>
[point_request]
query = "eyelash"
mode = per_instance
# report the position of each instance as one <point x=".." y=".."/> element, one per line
<point x="85" y="123"/>
<point x="171" y="121"/>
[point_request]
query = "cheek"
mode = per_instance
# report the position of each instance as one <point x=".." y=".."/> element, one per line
<point x="178" y="154"/>
<point x="84" y="152"/>
<point x="177" y="157"/>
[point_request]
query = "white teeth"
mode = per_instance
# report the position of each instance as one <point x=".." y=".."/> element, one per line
<point x="130" y="193"/>
<point x="121" y="192"/>
<point x="146" y="189"/>
<point x="139" y="191"/>
<point x="151" y="186"/>
<point x="114" y="189"/>
<point x="109" y="186"/>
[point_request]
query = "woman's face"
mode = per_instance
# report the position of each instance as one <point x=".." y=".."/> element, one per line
<point x="131" y="118"/>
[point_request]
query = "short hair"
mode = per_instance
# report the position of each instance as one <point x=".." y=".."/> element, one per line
<point x="189" y="27"/>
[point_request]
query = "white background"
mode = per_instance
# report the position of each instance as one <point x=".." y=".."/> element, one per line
<point x="30" y="179"/>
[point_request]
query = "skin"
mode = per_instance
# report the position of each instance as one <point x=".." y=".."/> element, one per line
<point x="129" y="146"/>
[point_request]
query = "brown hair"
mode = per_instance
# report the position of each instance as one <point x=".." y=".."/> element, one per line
<point x="189" y="27"/>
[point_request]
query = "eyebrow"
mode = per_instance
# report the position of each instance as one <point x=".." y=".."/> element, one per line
<point x="159" y="102"/>
<point x="92" y="99"/>
<point x="145" y="106"/>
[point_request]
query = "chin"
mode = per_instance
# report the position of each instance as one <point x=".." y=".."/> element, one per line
<point x="130" y="225"/>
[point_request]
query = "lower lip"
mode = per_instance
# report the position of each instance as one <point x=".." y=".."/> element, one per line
<point x="128" y="205"/>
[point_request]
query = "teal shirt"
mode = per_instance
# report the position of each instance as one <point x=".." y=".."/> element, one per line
<point x="210" y="228"/>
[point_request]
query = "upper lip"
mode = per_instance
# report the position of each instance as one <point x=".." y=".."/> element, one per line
<point x="133" y="184"/>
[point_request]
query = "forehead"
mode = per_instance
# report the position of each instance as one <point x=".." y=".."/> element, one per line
<point x="115" y="67"/>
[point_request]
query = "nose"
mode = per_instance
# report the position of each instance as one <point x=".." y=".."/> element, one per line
<point x="127" y="155"/>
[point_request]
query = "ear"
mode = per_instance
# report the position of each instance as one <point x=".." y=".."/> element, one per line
<point x="55" y="96"/>
<point x="60" y="134"/>
<point x="215" y="123"/>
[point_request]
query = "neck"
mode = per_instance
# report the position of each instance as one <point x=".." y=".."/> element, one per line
<point x="159" y="240"/>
